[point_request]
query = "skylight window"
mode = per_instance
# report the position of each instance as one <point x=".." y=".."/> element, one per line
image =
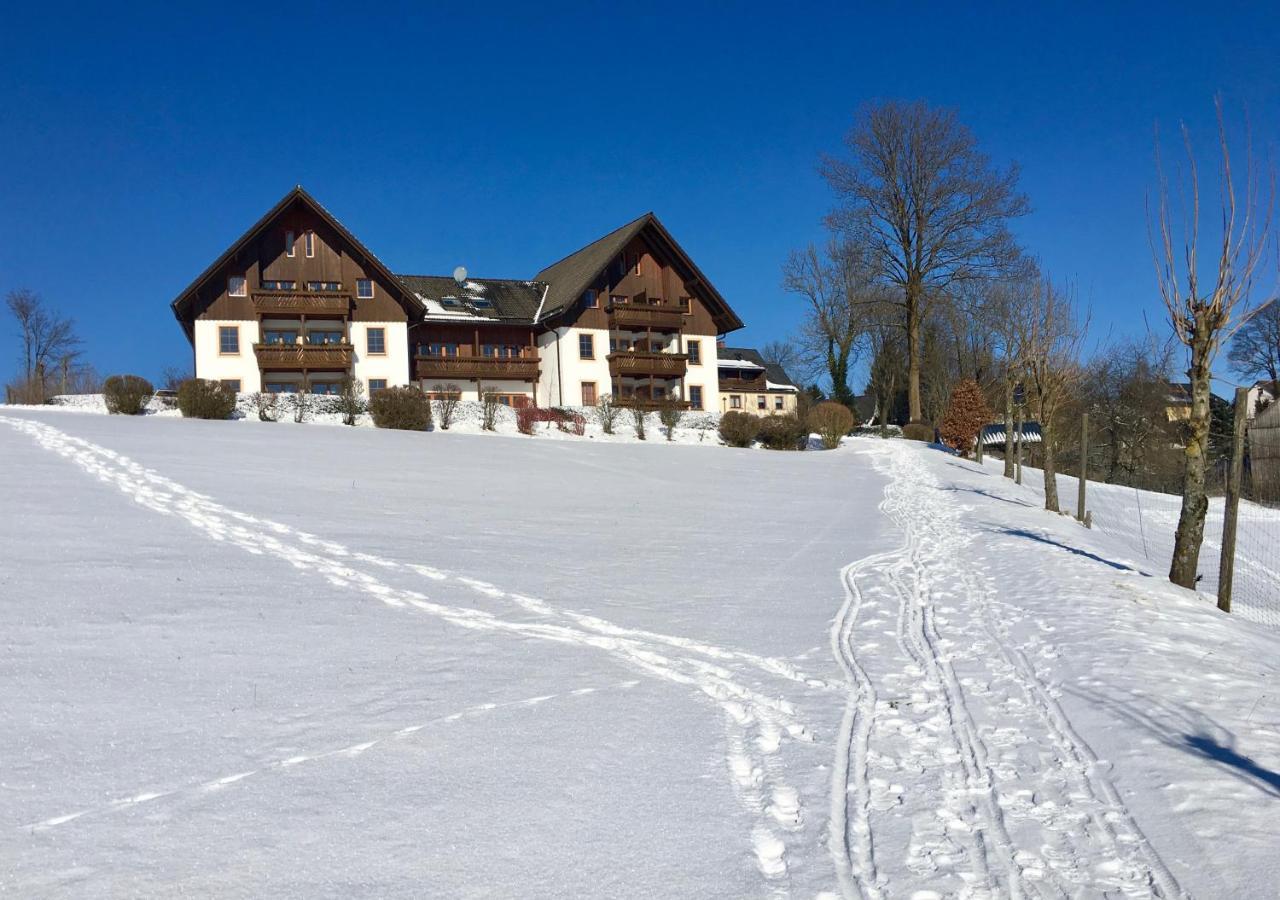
<point x="450" y="302"/>
<point x="481" y="303"/>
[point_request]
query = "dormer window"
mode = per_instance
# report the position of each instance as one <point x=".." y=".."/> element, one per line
<point x="309" y="242"/>
<point x="237" y="286"/>
<point x="289" y="249"/>
<point x="364" y="288"/>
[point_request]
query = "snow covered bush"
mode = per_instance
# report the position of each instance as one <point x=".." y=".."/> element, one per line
<point x="739" y="429"/>
<point x="448" y="396"/>
<point x="607" y="412"/>
<point x="405" y="408"/>
<point x="830" y="421"/>
<point x="526" y="418"/>
<point x="637" y="421"/>
<point x="200" y="398"/>
<point x="966" y="415"/>
<point x="782" y="432"/>
<point x="565" y="420"/>
<point x="350" y="401"/>
<point x="489" y="412"/>
<point x="302" y="403"/>
<point x="670" y="414"/>
<point x="126" y="395"/>
<point x="267" y="405"/>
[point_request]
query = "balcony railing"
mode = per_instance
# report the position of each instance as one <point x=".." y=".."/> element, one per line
<point x="743" y="384"/>
<point x="638" y="364"/>
<point x="514" y="368"/>
<point x="296" y="302"/>
<point x="639" y="316"/>
<point x="303" y="356"/>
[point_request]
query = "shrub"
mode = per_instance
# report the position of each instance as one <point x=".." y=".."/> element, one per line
<point x="566" y="420"/>
<point x="670" y="413"/>
<point x="268" y="406"/>
<point x="526" y="416"/>
<point x="199" y="398"/>
<point x="739" y="429"/>
<point x="831" y="421"/>
<point x="489" y="412"/>
<point x="405" y="408"/>
<point x="607" y="412"/>
<point x="637" y="420"/>
<point x="783" y="432"/>
<point x="918" y="431"/>
<point x="448" y="396"/>
<point x="303" y="404"/>
<point x="126" y="395"/>
<point x="967" y="413"/>
<point x="351" y="402"/>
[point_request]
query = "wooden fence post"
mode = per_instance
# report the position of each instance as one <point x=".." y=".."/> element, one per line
<point x="1084" y="466"/>
<point x="1227" y="564"/>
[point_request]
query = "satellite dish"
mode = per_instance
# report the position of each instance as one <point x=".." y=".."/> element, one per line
<point x="460" y="274"/>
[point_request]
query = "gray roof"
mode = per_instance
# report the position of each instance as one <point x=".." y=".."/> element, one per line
<point x="514" y="301"/>
<point x="571" y="276"/>
<point x="772" y="371"/>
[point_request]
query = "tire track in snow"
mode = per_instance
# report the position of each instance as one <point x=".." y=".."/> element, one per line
<point x="212" y="785"/>
<point x="759" y="720"/>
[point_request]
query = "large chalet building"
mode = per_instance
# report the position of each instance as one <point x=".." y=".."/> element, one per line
<point x="298" y="303"/>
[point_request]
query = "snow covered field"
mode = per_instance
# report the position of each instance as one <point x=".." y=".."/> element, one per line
<point x="254" y="660"/>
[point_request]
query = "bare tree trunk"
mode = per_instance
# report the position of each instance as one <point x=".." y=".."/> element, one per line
<point x="1050" y="467"/>
<point x="914" y="411"/>
<point x="1195" y="500"/>
<point x="1008" y="429"/>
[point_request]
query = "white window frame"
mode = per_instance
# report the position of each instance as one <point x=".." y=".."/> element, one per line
<point x="290" y="244"/>
<point x="244" y="286"/>
<point x="359" y="283"/>
<point x="309" y="242"/>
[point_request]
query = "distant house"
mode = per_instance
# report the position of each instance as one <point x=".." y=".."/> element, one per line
<point x="996" y="436"/>
<point x="749" y="384"/>
<point x="1262" y="395"/>
<point x="1177" y="406"/>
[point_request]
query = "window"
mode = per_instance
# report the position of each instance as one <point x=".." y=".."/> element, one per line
<point x="309" y="241"/>
<point x="586" y="346"/>
<point x="684" y="304"/>
<point x="437" y="349"/>
<point x="450" y="302"/>
<point x="695" y="396"/>
<point x="637" y="264"/>
<point x="481" y="303"/>
<point x="324" y="285"/>
<point x="364" y="288"/>
<point x="695" y="352"/>
<point x="591" y="300"/>
<point x="377" y="341"/>
<point x="237" y="286"/>
<point x="233" y="383"/>
<point x="617" y="300"/>
<point x="289" y="249"/>
<point x="760" y="401"/>
<point x="282" y="387"/>
<point x="319" y="338"/>
<point x="279" y="336"/>
<point x="777" y="402"/>
<point x="325" y="387"/>
<point x="377" y="384"/>
<point x="735" y="402"/>
<point x="228" y="340"/>
<point x="588" y="393"/>
<point x="279" y="285"/>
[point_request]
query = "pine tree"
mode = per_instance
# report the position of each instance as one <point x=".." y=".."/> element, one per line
<point x="967" y="413"/>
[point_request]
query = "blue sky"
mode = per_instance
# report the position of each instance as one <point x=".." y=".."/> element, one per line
<point x="138" y="142"/>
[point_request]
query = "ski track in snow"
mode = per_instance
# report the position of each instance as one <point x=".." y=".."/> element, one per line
<point x="992" y="811"/>
<point x="756" y="723"/>
<point x="211" y="785"/>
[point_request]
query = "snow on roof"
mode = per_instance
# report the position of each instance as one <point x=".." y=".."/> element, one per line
<point x="737" y="364"/>
<point x="774" y="386"/>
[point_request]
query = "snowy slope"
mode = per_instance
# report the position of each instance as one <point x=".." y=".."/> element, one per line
<point x="256" y="660"/>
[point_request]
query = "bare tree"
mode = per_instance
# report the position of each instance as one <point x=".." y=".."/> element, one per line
<point x="916" y="191"/>
<point x="48" y="340"/>
<point x="1255" y="349"/>
<point x="173" y="376"/>
<point x="888" y="372"/>
<point x="1204" y="313"/>
<point x="1050" y="353"/>
<point x="838" y="286"/>
<point x="787" y="355"/>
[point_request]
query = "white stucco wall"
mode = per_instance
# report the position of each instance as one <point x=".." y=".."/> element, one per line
<point x="214" y="366"/>
<point x="706" y="375"/>
<point x="572" y="369"/>
<point x="393" y="365"/>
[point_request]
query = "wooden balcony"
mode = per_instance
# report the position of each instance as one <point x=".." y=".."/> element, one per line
<point x="335" y="303"/>
<point x="647" y="404"/>
<point x="491" y="368"/>
<point x="639" y="317"/>
<point x="303" y="356"/>
<point x="642" y="364"/>
<point x="743" y="384"/>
